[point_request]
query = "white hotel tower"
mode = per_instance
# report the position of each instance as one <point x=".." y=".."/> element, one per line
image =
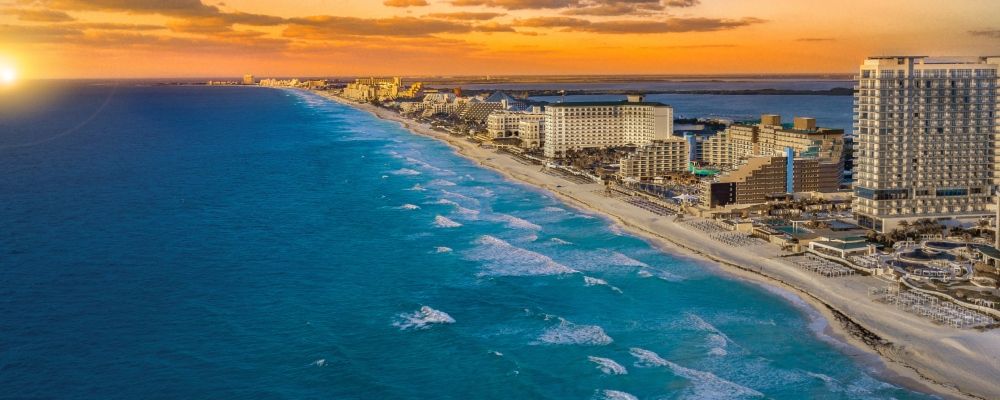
<point x="925" y="137"/>
<point x="580" y="125"/>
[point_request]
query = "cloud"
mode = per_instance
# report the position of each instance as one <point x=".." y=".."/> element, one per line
<point x="334" y="27"/>
<point x="815" y="39"/>
<point x="682" y="3"/>
<point x="669" y="25"/>
<point x="164" y="7"/>
<point x="38" y="33"/>
<point x="405" y="3"/>
<point x="466" y="16"/>
<point x="518" y="4"/>
<point x="989" y="33"/>
<point x="36" y="15"/>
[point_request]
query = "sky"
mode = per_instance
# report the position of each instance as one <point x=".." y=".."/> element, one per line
<point x="46" y="39"/>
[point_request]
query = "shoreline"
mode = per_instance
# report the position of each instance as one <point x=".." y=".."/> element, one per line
<point x="895" y="346"/>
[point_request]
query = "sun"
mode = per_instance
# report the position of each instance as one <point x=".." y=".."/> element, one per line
<point x="8" y="76"/>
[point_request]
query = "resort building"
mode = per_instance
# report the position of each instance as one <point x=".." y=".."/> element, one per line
<point x="656" y="159"/>
<point x="771" y="138"/>
<point x="574" y="126"/>
<point x="766" y="178"/>
<point x="715" y="151"/>
<point x="925" y="139"/>
<point x="369" y="89"/>
<point x="507" y="124"/>
<point x="248" y="79"/>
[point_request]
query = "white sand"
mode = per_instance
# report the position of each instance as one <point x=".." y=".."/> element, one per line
<point x="915" y="352"/>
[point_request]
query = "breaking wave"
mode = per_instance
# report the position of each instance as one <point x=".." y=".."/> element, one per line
<point x="559" y="241"/>
<point x="704" y="385"/>
<point x="609" y="394"/>
<point x="590" y="281"/>
<point x="608" y="366"/>
<point x="516" y="223"/>
<point x="444" y="222"/>
<point x="442" y="249"/>
<point x="408" y="207"/>
<point x="424" y="318"/>
<point x="504" y="259"/>
<point x="569" y="333"/>
<point x="405" y="172"/>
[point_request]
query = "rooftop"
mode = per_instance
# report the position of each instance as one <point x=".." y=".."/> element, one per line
<point x="607" y="103"/>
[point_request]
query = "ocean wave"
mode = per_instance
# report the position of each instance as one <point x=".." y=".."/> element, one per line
<point x="513" y="222"/>
<point x="591" y="281"/>
<point x="442" y="249"/>
<point x="704" y="384"/>
<point x="423" y="318"/>
<point x="504" y="259"/>
<point x="445" y="202"/>
<point x="319" y="363"/>
<point x="405" y="172"/>
<point x="441" y="182"/>
<point x="408" y="207"/>
<point x="609" y="394"/>
<point x="662" y="275"/>
<point x="559" y="241"/>
<point x="552" y="209"/>
<point x="444" y="222"/>
<point x="608" y="366"/>
<point x="623" y="260"/>
<point x="568" y="333"/>
<point x="417" y="188"/>
<point x="716" y="340"/>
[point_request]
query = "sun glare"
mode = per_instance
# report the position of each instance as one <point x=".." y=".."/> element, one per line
<point x="8" y="76"/>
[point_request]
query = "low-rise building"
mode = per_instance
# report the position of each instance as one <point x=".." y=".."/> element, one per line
<point x="764" y="178"/>
<point x="656" y="159"/>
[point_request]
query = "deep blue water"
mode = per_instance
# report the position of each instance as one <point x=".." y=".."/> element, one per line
<point x="196" y="242"/>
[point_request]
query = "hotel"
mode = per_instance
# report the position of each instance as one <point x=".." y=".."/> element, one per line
<point x="656" y="159"/>
<point x="925" y="139"/>
<point x="582" y="125"/>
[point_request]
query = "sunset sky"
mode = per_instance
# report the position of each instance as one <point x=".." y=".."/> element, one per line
<point x="192" y="38"/>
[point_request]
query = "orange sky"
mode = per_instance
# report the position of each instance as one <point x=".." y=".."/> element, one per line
<point x="196" y="38"/>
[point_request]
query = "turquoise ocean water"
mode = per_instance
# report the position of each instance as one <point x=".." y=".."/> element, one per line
<point x="193" y="242"/>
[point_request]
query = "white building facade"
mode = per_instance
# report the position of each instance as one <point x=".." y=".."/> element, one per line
<point x="925" y="142"/>
<point x="657" y="158"/>
<point x="575" y="126"/>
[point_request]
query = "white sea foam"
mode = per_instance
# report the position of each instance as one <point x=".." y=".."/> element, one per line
<point x="319" y="363"/>
<point x="417" y="188"/>
<point x="405" y="171"/>
<point x="621" y="259"/>
<point x="408" y="207"/>
<point x="559" y="241"/>
<point x="444" y="222"/>
<point x="423" y="318"/>
<point x="591" y="281"/>
<point x="553" y="209"/>
<point x="609" y="394"/>
<point x="445" y="202"/>
<point x="442" y="249"/>
<point x="569" y="333"/>
<point x="704" y="384"/>
<point x="716" y="340"/>
<point x="663" y="275"/>
<point x="608" y="366"/>
<point x="459" y="196"/>
<point x="441" y="182"/>
<point x="616" y="230"/>
<point x="513" y="222"/>
<point x="504" y="259"/>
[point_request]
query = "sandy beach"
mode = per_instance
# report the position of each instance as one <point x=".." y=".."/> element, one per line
<point x="900" y="347"/>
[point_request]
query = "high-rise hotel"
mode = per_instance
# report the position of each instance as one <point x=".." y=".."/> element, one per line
<point x="925" y="133"/>
<point x="575" y="126"/>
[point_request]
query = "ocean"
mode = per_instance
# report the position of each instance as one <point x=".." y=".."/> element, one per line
<point x="226" y="242"/>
